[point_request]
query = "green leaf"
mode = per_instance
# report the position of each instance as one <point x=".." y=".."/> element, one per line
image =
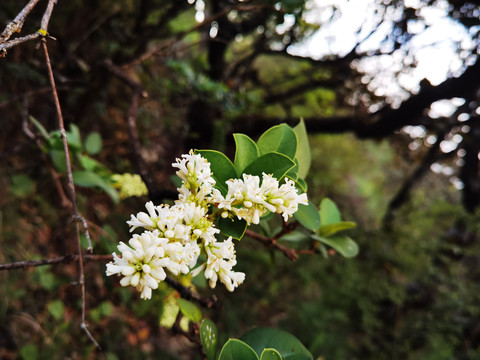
<point x="308" y="216"/>
<point x="295" y="237"/>
<point x="21" y="185"/>
<point x="88" y="163"/>
<point x="327" y="230"/>
<point x="234" y="228"/>
<point x="56" y="309"/>
<point x="343" y="244"/>
<point x="73" y="138"/>
<point x="303" y="154"/>
<point x="29" y="352"/>
<point x="90" y="179"/>
<point x="329" y="213"/>
<point x="58" y="159"/>
<point x="293" y="172"/>
<point x="221" y="166"/>
<point x="301" y="184"/>
<point x="246" y="152"/>
<point x="280" y="138"/>
<point x="39" y="127"/>
<point x="235" y="349"/>
<point x="189" y="310"/>
<point x="270" y="354"/>
<point x="275" y="164"/>
<point x="289" y="347"/>
<point x="93" y="143"/>
<point x="209" y="338"/>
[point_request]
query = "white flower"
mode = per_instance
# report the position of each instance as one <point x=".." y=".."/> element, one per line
<point x="141" y="263"/>
<point x="194" y="170"/>
<point x="144" y="220"/>
<point x="220" y="260"/>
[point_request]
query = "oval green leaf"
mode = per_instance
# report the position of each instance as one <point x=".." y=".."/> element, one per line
<point x="270" y="354"/>
<point x="189" y="310"/>
<point x="209" y="338"/>
<point x="303" y="153"/>
<point x="246" y="152"/>
<point x="280" y="138"/>
<point x="343" y="244"/>
<point x="289" y="347"/>
<point x="235" y="349"/>
<point x="327" y="230"/>
<point x="221" y="166"/>
<point x="93" y="143"/>
<point x="274" y="164"/>
<point x="90" y="179"/>
<point x="308" y="216"/>
<point x="329" y="213"/>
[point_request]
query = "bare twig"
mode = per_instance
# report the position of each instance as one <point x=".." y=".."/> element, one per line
<point x="185" y="292"/>
<point x="71" y="188"/>
<point x="272" y="242"/>
<point x="16" y="26"/>
<point x="53" y="261"/>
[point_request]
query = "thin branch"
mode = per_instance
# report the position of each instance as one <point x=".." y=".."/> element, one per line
<point x="6" y="44"/>
<point x="272" y="242"/>
<point x="71" y="187"/>
<point x="185" y="292"/>
<point x="17" y="24"/>
<point x="53" y="261"/>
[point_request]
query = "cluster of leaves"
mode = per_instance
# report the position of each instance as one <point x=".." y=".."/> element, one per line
<point x="90" y="172"/>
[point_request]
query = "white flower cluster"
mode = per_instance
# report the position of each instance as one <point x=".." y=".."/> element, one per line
<point x="175" y="236"/>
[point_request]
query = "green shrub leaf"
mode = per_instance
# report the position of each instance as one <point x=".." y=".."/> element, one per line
<point x="270" y="354"/>
<point x="343" y="244"/>
<point x="281" y="139"/>
<point x="275" y="164"/>
<point x="189" y="310"/>
<point x="56" y="309"/>
<point x="90" y="179"/>
<point x="329" y="213"/>
<point x="209" y="338"/>
<point x="235" y="349"/>
<point x="93" y="143"/>
<point x="327" y="230"/>
<point x="303" y="153"/>
<point x="246" y="152"/>
<point x="308" y="216"/>
<point x="221" y="167"/>
<point x="289" y="347"/>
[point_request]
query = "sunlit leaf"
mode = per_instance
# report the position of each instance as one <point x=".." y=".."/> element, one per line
<point x="189" y="310"/>
<point x="327" y="230"/>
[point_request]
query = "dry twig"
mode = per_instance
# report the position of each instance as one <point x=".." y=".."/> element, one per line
<point x="71" y="190"/>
